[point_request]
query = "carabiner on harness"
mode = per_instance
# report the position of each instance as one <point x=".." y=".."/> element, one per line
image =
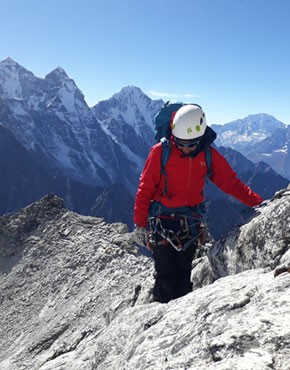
<point x="179" y="240"/>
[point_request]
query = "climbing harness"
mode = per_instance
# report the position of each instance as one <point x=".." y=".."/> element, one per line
<point x="177" y="230"/>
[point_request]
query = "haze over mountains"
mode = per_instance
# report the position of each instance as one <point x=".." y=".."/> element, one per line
<point x="86" y="155"/>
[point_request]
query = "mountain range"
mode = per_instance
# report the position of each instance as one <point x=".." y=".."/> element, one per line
<point x="52" y="141"/>
<point x="50" y="118"/>
<point x="259" y="137"/>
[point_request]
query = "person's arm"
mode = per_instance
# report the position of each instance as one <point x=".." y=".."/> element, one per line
<point x="149" y="181"/>
<point x="226" y="179"/>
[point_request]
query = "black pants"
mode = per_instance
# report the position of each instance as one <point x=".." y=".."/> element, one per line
<point x="173" y="270"/>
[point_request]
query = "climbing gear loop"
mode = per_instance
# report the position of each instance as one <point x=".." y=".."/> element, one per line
<point x="177" y="230"/>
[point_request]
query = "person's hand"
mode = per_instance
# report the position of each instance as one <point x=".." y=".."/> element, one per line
<point x="140" y="235"/>
<point x="261" y="205"/>
<point x="203" y="234"/>
<point x="203" y="237"/>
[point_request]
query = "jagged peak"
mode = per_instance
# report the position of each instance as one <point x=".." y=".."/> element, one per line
<point x="127" y="93"/>
<point x="130" y="91"/>
<point x="9" y="61"/>
<point x="58" y="73"/>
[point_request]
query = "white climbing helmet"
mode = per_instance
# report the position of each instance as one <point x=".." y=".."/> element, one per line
<point x="189" y="122"/>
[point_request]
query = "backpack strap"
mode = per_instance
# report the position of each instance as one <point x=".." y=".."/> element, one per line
<point x="208" y="160"/>
<point x="166" y="148"/>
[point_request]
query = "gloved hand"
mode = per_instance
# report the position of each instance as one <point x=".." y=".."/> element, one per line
<point x="140" y="235"/>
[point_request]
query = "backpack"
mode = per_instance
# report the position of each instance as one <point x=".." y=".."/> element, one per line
<point x="162" y="124"/>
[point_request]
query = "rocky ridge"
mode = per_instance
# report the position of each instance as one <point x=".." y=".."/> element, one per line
<point x="75" y="294"/>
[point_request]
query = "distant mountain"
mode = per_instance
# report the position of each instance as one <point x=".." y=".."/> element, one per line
<point x="259" y="176"/>
<point x="25" y="180"/>
<point x="66" y="149"/>
<point x="93" y="157"/>
<point x="274" y="150"/>
<point x="127" y="117"/>
<point x="243" y="133"/>
<point x="259" y="137"/>
<point x="51" y="118"/>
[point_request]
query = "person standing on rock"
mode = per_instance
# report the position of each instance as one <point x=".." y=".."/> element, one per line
<point x="169" y="205"/>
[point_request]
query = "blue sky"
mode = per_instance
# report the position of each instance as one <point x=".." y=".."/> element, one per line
<point x="230" y="56"/>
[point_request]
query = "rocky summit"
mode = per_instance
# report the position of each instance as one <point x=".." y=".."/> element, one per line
<point x="75" y="294"/>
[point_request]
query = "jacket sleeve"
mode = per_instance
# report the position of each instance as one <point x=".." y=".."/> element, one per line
<point x="226" y="179"/>
<point x="149" y="181"/>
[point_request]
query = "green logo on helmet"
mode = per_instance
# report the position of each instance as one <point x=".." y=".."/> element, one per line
<point x="189" y="130"/>
<point x="197" y="127"/>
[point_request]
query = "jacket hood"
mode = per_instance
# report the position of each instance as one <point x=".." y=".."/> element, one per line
<point x="208" y="137"/>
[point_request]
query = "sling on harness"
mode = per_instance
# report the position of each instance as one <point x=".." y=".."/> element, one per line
<point x="180" y="236"/>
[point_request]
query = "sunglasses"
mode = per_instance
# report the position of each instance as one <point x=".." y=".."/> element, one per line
<point x="184" y="143"/>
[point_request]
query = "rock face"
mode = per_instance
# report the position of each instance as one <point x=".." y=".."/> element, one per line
<point x="75" y="294"/>
<point x="261" y="243"/>
<point x="60" y="270"/>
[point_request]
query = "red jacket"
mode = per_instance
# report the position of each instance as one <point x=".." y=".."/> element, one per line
<point x="186" y="180"/>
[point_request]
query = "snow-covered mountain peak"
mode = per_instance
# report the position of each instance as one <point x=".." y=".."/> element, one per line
<point x="9" y="66"/>
<point x="8" y="62"/>
<point x="260" y="137"/>
<point x="19" y="83"/>
<point x="259" y="121"/>
<point x="129" y="105"/>
<point x="128" y="118"/>
<point x="11" y="76"/>
<point x="249" y="130"/>
<point x="60" y="83"/>
<point x="131" y="93"/>
<point x="57" y="75"/>
<point x="50" y="116"/>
